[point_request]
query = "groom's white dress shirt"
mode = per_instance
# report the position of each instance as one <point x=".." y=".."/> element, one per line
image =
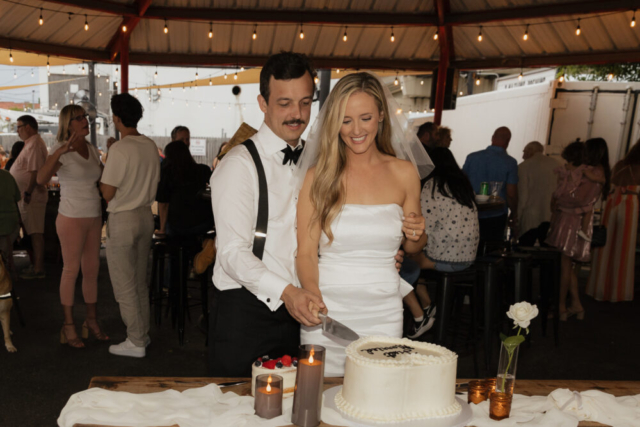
<point x="234" y="197"/>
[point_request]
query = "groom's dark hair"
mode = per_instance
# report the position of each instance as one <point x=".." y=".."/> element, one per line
<point x="285" y="66"/>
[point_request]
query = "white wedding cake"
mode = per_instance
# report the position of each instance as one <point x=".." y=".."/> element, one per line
<point x="395" y="379"/>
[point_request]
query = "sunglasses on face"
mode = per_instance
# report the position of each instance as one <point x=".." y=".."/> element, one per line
<point x="79" y="118"/>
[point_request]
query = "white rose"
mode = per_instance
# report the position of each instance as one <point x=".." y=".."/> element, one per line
<point x="522" y="313"/>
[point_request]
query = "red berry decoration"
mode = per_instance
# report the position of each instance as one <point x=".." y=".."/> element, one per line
<point x="269" y="364"/>
<point x="286" y="360"/>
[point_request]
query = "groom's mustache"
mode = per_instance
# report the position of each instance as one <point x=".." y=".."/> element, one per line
<point x="294" y="122"/>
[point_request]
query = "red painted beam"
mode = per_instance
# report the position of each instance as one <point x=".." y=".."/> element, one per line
<point x="130" y="22"/>
<point x="445" y="41"/>
<point x="124" y="64"/>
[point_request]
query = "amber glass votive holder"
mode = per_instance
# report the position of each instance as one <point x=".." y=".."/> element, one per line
<point x="491" y="386"/>
<point x="477" y="392"/>
<point x="500" y="406"/>
<point x="268" y="396"/>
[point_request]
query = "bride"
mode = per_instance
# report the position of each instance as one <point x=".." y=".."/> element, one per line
<point x="358" y="203"/>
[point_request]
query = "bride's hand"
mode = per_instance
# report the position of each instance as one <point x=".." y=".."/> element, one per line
<point x="413" y="226"/>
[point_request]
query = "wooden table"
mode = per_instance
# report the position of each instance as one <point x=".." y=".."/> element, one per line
<point x="526" y="387"/>
<point x="493" y="204"/>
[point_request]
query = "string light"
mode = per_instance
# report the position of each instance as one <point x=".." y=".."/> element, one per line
<point x="242" y="68"/>
<point x="395" y="82"/>
<point x="210" y="30"/>
<point x="633" y="20"/>
<point x="32" y="72"/>
<point x="107" y="79"/>
<point x="344" y="37"/>
<point x="166" y="28"/>
<point x="255" y="31"/>
<point x="561" y="79"/>
<point x="86" y="23"/>
<point x="393" y="37"/>
<point x="155" y="76"/>
<point x="301" y="32"/>
<point x="41" y="20"/>
<point x="15" y="76"/>
<point x="525" y="37"/>
<point x="610" y="77"/>
<point x="435" y="36"/>
<point x="116" y="71"/>
<point x="316" y="80"/>
<point x="210" y="82"/>
<point x="520" y="76"/>
<point x="10" y="56"/>
<point x="480" y="34"/>
<point x="421" y="82"/>
<point x="578" y="31"/>
<point x="461" y="93"/>
<point x="478" y="82"/>
<point x="235" y="76"/>
<point x="169" y="89"/>
<point x="196" y="74"/>
<point x="83" y="71"/>
<point x="64" y="72"/>
<point x="98" y="75"/>
<point x="337" y="70"/>
<point x="136" y="90"/>
<point x="225" y="75"/>
<point x="124" y="26"/>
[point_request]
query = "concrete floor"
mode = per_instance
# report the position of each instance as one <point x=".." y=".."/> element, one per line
<point x="37" y="381"/>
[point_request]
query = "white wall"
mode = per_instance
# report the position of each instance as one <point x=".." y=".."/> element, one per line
<point x="525" y="111"/>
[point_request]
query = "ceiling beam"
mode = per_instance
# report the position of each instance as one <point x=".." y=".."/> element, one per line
<point x="99" y="6"/>
<point x="212" y="60"/>
<point x="587" y="58"/>
<point x="541" y="11"/>
<point x="116" y="42"/>
<point x="55" y="50"/>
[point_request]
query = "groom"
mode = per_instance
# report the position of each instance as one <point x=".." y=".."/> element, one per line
<point x="258" y="309"/>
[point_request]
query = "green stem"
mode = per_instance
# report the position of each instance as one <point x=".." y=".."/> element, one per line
<point x="504" y="377"/>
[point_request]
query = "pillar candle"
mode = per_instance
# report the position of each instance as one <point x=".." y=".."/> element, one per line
<point x="268" y="400"/>
<point x="307" y="397"/>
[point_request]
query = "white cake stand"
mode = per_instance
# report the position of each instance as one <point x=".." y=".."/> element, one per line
<point x="459" y="420"/>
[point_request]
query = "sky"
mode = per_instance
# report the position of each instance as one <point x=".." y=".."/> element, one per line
<point x="23" y="75"/>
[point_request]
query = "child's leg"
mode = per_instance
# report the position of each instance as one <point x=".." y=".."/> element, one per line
<point x="414" y="306"/>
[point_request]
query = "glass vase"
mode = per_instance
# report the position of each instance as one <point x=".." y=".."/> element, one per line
<point x="506" y="376"/>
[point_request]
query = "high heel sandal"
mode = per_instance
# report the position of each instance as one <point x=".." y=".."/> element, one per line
<point x="567" y="314"/>
<point x="99" y="335"/>
<point x="73" y="342"/>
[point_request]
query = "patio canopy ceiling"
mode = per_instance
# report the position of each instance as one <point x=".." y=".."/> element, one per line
<point x="379" y="34"/>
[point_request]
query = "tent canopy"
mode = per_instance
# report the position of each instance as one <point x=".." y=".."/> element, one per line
<point x="550" y="25"/>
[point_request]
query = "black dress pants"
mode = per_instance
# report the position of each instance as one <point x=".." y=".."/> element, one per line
<point x="242" y="328"/>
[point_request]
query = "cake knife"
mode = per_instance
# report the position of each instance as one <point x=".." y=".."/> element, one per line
<point x="337" y="329"/>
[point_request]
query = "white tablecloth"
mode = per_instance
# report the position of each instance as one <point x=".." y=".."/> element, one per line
<point x="208" y="406"/>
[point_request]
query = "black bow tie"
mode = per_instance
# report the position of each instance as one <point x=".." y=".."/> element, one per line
<point x="291" y="155"/>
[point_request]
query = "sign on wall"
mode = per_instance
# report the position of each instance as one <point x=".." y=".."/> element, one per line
<point x="198" y="147"/>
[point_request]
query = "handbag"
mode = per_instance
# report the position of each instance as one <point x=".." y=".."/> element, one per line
<point x="599" y="237"/>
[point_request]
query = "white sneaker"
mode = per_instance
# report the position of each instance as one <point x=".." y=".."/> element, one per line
<point x="127" y="348"/>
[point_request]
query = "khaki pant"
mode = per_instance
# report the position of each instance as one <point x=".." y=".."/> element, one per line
<point x="129" y="237"/>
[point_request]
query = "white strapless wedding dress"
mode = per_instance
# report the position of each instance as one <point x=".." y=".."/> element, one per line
<point x="358" y="279"/>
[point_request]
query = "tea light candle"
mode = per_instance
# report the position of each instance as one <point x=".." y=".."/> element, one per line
<point x="500" y="406"/>
<point x="307" y="397"/>
<point x="491" y="386"/>
<point x="477" y="392"/>
<point x="268" y="403"/>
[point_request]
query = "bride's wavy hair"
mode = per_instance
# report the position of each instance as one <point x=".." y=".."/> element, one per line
<point x="328" y="192"/>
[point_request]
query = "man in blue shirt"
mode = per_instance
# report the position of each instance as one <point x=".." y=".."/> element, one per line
<point x="494" y="164"/>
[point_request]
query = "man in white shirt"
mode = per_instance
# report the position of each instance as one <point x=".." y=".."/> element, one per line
<point x="258" y="308"/>
<point x="536" y="184"/>
<point x="129" y="183"/>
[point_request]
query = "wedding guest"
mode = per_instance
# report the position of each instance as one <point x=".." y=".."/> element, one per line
<point x="613" y="266"/>
<point x="443" y="136"/>
<point x="34" y="196"/>
<point x="3" y="157"/>
<point x="183" y="213"/>
<point x="79" y="222"/>
<point x="181" y="133"/>
<point x="575" y="195"/>
<point x="217" y="159"/>
<point x="9" y="214"/>
<point x="351" y="216"/>
<point x="494" y="164"/>
<point x="129" y="183"/>
<point x="16" y="149"/>
<point x="427" y="134"/>
<point x="536" y="184"/>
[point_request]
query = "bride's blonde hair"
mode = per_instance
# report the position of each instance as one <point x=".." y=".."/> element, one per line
<point x="327" y="190"/>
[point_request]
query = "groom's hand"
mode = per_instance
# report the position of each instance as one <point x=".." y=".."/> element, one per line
<point x="297" y="301"/>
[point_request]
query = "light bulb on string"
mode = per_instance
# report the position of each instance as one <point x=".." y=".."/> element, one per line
<point x="10" y="56"/>
<point x="337" y="70"/>
<point x="525" y="37"/>
<point x="393" y="37"/>
<point x="561" y="79"/>
<point x="83" y="71"/>
<point x="117" y="71"/>
<point x="610" y="76"/>
<point x="136" y="90"/>
<point x="210" y="30"/>
<point x="41" y="20"/>
<point x="155" y="76"/>
<point x="395" y="82"/>
<point x="421" y="82"/>
<point x="86" y="23"/>
<point x="15" y="76"/>
<point x="435" y="36"/>
<point x="32" y="72"/>
<point x="633" y="20"/>
<point x="255" y="32"/>
<point x="98" y="75"/>
<point x="124" y="25"/>
<point x="344" y="37"/>
<point x="225" y="76"/>
<point x="578" y="31"/>
<point x="461" y="93"/>
<point x="242" y="68"/>
<point x="210" y="82"/>
<point x="49" y="66"/>
<point x="196" y="74"/>
<point x="478" y="82"/>
<point x="480" y="34"/>
<point x="166" y="28"/>
<point x="64" y="72"/>
<point x="301" y="32"/>
<point x="520" y="76"/>
<point x="235" y="76"/>
<point x="107" y="79"/>
<point x="169" y="89"/>
<point x="316" y="80"/>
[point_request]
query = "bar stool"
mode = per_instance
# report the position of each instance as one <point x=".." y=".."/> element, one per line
<point x="487" y="273"/>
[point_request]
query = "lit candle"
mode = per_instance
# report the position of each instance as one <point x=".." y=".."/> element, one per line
<point x="477" y="392"/>
<point x="500" y="406"/>
<point x="491" y="386"/>
<point x="307" y="397"/>
<point x="268" y="403"/>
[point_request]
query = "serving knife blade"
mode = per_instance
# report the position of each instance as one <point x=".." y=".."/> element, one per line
<point x="337" y="329"/>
